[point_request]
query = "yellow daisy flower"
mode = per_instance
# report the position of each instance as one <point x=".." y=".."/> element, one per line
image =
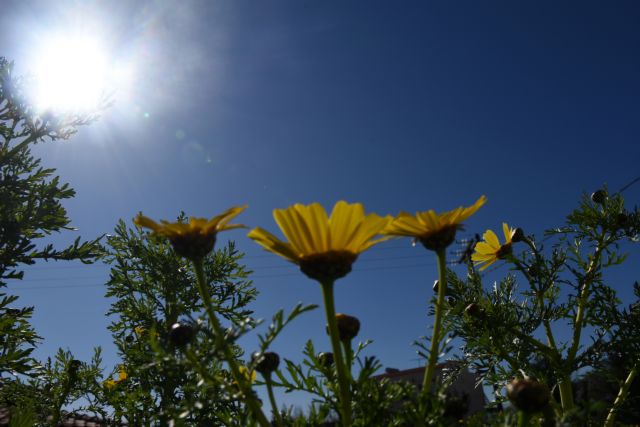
<point x="434" y="231"/>
<point x="324" y="247"/>
<point x="195" y="239"/>
<point x="490" y="250"/>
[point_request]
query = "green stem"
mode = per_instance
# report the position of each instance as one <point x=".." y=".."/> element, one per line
<point x="583" y="298"/>
<point x="622" y="395"/>
<point x="437" y="324"/>
<point x="272" y="401"/>
<point x="524" y="419"/>
<point x="540" y="297"/>
<point x="348" y="356"/>
<point x="343" y="379"/>
<point x="249" y="398"/>
<point x="566" y="393"/>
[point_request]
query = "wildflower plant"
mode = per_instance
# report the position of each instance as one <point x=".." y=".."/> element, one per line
<point x="436" y="232"/>
<point x="160" y="332"/>
<point x="514" y="330"/>
<point x="179" y="306"/>
<point x="325" y="249"/>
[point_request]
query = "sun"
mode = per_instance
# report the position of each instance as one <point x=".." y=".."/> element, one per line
<point x="71" y="74"/>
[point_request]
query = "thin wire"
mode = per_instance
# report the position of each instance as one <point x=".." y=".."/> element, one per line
<point x="266" y="255"/>
<point x="264" y="276"/>
<point x="261" y="267"/>
<point x="629" y="184"/>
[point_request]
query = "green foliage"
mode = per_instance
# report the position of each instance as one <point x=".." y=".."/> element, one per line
<point x="61" y="382"/>
<point x="31" y="199"/>
<point x="30" y="194"/>
<point x="17" y="337"/>
<point x="513" y="330"/>
<point x="153" y="289"/>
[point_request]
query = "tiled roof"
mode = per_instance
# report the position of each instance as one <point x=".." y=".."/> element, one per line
<point x="4" y="417"/>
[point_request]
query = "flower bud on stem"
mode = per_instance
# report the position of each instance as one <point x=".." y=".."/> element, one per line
<point x="266" y="364"/>
<point x="343" y="378"/>
<point x="248" y="396"/>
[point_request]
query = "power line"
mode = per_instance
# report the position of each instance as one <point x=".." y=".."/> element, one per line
<point x="263" y="276"/>
<point x="262" y="267"/>
<point x="266" y="255"/>
<point x="629" y="184"/>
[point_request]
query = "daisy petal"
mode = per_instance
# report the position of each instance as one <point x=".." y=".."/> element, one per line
<point x="273" y="244"/>
<point x="490" y="237"/>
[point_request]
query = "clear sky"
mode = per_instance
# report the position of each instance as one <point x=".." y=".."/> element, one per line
<point x="399" y="105"/>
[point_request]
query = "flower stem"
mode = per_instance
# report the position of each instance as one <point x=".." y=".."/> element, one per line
<point x="622" y="395"/>
<point x="221" y="343"/>
<point x="348" y="357"/>
<point x="583" y="298"/>
<point x="437" y="324"/>
<point x="524" y="419"/>
<point x="343" y="379"/>
<point x="539" y="296"/>
<point x="272" y="401"/>
<point x="566" y="394"/>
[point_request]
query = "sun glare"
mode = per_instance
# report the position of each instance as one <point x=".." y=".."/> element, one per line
<point x="71" y="74"/>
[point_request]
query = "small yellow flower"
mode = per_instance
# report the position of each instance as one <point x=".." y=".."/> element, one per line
<point x="110" y="384"/>
<point x="140" y="331"/>
<point x="434" y="231"/>
<point x="324" y="247"/>
<point x="195" y="239"/>
<point x="490" y="250"/>
<point x="247" y="374"/>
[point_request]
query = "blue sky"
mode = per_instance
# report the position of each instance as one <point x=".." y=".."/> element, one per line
<point x="421" y="106"/>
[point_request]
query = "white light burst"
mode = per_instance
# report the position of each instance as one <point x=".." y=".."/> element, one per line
<point x="71" y="74"/>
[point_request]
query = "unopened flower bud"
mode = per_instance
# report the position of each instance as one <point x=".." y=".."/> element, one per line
<point x="348" y="326"/>
<point x="528" y="395"/>
<point x="474" y="310"/>
<point x="181" y="334"/>
<point x="72" y="369"/>
<point x="326" y="359"/>
<point x="266" y="362"/>
<point x="599" y="197"/>
<point x="518" y="235"/>
<point x="74" y="365"/>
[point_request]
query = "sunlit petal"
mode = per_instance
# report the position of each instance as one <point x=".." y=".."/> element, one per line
<point x="294" y="229"/>
<point x="318" y="225"/>
<point x="344" y="222"/>
<point x="490" y="237"/>
<point x="273" y="244"/>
